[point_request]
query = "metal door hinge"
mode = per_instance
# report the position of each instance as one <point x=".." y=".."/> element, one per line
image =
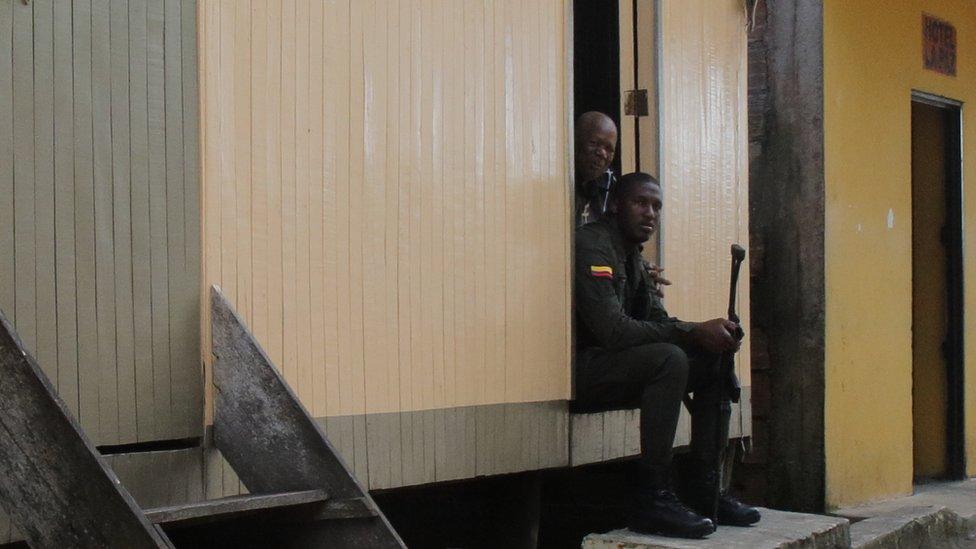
<point x="635" y="103"/>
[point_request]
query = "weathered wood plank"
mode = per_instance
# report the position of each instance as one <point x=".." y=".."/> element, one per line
<point x="379" y="429"/>
<point x="108" y="411"/>
<point x="233" y="507"/>
<point x="141" y="236"/>
<point x="7" y="267"/>
<point x="122" y="222"/>
<point x="191" y="183"/>
<point x="23" y="142"/>
<point x="181" y="330"/>
<point x="46" y="307"/>
<point x="213" y="475"/>
<point x="64" y="209"/>
<point x="55" y="486"/>
<point x="84" y="189"/>
<point x="160" y="273"/>
<point x="269" y="437"/>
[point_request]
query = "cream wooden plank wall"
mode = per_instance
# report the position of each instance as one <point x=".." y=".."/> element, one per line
<point x="386" y="195"/>
<point x="99" y="224"/>
<point x="704" y="157"/>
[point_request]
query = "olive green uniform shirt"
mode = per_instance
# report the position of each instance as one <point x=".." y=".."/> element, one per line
<point x="615" y="305"/>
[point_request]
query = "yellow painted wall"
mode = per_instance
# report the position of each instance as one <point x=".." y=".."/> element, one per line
<point x="872" y="61"/>
<point x="386" y="195"/>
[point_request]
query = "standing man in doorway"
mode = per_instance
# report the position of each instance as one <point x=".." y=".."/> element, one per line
<point x="630" y="351"/>
<point x="596" y="144"/>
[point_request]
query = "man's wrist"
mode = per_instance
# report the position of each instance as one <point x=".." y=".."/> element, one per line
<point x="685" y="331"/>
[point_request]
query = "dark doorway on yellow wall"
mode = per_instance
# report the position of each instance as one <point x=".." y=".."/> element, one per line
<point x="937" y="327"/>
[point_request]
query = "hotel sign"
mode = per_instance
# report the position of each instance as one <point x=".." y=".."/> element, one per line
<point x="939" y="45"/>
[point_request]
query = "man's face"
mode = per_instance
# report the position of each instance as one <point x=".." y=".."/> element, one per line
<point x="595" y="151"/>
<point x="639" y="212"/>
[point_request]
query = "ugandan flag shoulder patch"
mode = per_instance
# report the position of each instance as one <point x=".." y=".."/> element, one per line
<point x="601" y="271"/>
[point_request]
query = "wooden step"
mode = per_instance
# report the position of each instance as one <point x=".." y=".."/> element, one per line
<point x="308" y="504"/>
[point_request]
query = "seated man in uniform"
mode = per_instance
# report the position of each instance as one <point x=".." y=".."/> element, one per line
<point x="630" y="352"/>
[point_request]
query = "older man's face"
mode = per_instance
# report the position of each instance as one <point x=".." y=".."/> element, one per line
<point x="595" y="151"/>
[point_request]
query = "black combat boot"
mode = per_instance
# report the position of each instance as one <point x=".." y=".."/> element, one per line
<point x="659" y="511"/>
<point x="701" y="489"/>
<point x="705" y="498"/>
<point x="732" y="512"/>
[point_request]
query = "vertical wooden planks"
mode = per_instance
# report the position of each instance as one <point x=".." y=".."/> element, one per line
<point x="497" y="227"/>
<point x="23" y="175"/>
<point x="75" y="215"/>
<point x="414" y="255"/>
<point x="288" y="184"/>
<point x="275" y="158"/>
<point x="7" y="265"/>
<point x="352" y="395"/>
<point x="399" y="229"/>
<point x="180" y="326"/>
<point x="318" y="182"/>
<point x="45" y="305"/>
<point x="425" y="374"/>
<point x="452" y="121"/>
<point x="122" y="221"/>
<point x="141" y="235"/>
<point x="159" y="244"/>
<point x="406" y="242"/>
<point x="333" y="153"/>
<point x="376" y="355"/>
<point x="470" y="357"/>
<point x="239" y="135"/>
<point x="392" y="207"/>
<point x="108" y="416"/>
<point x="258" y="166"/>
<point x="64" y="208"/>
<point x="88" y="374"/>
<point x="207" y="21"/>
<point x="303" y="180"/>
<point x="192" y="216"/>
<point x="392" y="456"/>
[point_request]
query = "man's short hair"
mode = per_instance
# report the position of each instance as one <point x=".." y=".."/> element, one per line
<point x="623" y="186"/>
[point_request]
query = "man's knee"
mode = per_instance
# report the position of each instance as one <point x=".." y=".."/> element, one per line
<point x="666" y="362"/>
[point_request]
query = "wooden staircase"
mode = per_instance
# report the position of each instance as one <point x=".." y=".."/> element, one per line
<point x="61" y="494"/>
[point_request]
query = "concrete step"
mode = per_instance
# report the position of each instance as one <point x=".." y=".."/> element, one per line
<point x="937" y="515"/>
<point x="909" y="527"/>
<point x="776" y="530"/>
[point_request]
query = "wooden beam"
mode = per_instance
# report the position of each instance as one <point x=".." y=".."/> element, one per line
<point x="55" y="486"/>
<point x="270" y="439"/>
<point x="316" y="502"/>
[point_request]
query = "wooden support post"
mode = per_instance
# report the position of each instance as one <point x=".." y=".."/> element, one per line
<point x="272" y="442"/>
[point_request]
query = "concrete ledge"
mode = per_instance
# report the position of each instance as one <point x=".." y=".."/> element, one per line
<point x="776" y="530"/>
<point x="938" y="514"/>
<point x="921" y="526"/>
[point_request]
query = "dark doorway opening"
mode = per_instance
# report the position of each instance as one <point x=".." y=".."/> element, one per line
<point x="596" y="60"/>
<point x="937" y="289"/>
